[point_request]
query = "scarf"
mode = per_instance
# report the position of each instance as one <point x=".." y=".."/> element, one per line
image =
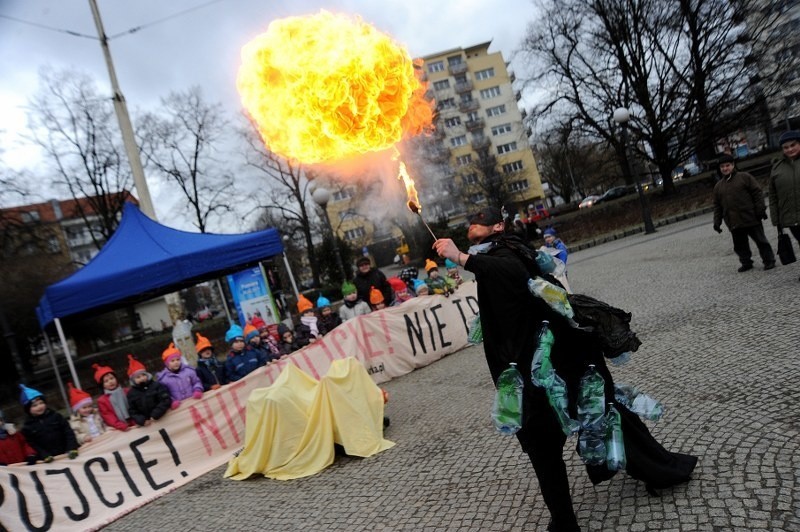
<point x="311" y="323"/>
<point x="351" y="304"/>
<point x="120" y="403"/>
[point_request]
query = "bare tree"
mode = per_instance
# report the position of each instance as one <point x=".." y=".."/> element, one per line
<point x="75" y="127"/>
<point x="183" y="142"/>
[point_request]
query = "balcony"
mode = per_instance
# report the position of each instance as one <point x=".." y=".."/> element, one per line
<point x="457" y="68"/>
<point x="439" y="154"/>
<point x="467" y="107"/>
<point x="474" y="125"/>
<point x="487" y="161"/>
<point x="481" y="143"/>
<point x="463" y="86"/>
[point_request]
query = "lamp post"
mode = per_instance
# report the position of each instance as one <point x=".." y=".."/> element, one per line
<point x="321" y="197"/>
<point x="621" y="117"/>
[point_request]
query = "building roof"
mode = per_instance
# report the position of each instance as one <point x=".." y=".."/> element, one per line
<point x="55" y="210"/>
<point x="452" y="50"/>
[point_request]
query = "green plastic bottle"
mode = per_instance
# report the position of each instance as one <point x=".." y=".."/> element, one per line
<point x="507" y="408"/>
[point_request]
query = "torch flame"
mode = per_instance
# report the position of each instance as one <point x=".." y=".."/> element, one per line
<point x="411" y="190"/>
<point x="326" y="88"/>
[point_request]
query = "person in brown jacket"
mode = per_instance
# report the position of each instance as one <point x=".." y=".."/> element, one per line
<point x="739" y="201"/>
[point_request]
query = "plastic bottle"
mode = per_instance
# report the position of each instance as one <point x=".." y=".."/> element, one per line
<point x="507" y="408"/>
<point x="475" y="334"/>
<point x="542" y="367"/>
<point x="621" y="359"/>
<point x="558" y="399"/>
<point x="637" y="402"/>
<point x="592" y="443"/>
<point x="182" y="337"/>
<point x="591" y="397"/>
<point x="553" y="295"/>
<point x="615" y="445"/>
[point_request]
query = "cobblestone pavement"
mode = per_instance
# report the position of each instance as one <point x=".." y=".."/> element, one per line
<point x="720" y="350"/>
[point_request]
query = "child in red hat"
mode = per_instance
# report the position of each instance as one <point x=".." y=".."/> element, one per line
<point x="180" y="379"/>
<point x="85" y="420"/>
<point x="149" y="399"/>
<point x="113" y="404"/>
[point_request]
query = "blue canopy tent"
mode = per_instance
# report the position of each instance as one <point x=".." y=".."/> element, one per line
<point x="144" y="259"/>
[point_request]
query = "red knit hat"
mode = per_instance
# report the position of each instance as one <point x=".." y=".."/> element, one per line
<point x="134" y="366"/>
<point x="77" y="397"/>
<point x="100" y="372"/>
<point x="170" y="352"/>
<point x="202" y="343"/>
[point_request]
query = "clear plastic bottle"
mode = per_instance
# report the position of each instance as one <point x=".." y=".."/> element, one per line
<point x="621" y="359"/>
<point x="637" y="402"/>
<point x="615" y="445"/>
<point x="182" y="337"/>
<point x="592" y="443"/>
<point x="542" y="368"/>
<point x="554" y="296"/>
<point x="558" y="399"/>
<point x="507" y="408"/>
<point x="591" y="397"/>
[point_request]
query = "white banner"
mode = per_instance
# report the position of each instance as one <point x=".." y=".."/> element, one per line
<point x="121" y="471"/>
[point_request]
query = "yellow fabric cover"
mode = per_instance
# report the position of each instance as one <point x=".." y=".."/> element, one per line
<point x="292" y="425"/>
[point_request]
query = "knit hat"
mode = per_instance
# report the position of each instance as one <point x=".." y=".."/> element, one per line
<point x="549" y="232"/>
<point x="397" y="284"/>
<point x="375" y="296"/>
<point x="28" y="395"/>
<point x="202" y="343"/>
<point x="77" y="397"/>
<point x="789" y="135"/>
<point x="348" y="288"/>
<point x="169" y="352"/>
<point x="488" y="216"/>
<point x="100" y="372"/>
<point x="430" y="265"/>
<point x="725" y="158"/>
<point x="303" y="304"/>
<point x="258" y="322"/>
<point x="233" y="333"/>
<point x="250" y="332"/>
<point x="419" y="283"/>
<point x="449" y="264"/>
<point x="134" y="366"/>
<point x="323" y="301"/>
<point x="283" y="329"/>
<point x="362" y="260"/>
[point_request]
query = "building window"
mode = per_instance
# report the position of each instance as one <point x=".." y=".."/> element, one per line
<point x="518" y="186"/>
<point x="437" y="66"/>
<point x="53" y="245"/>
<point x="510" y="168"/>
<point x="353" y="234"/>
<point x="472" y="116"/>
<point x="349" y="213"/>
<point x="454" y="60"/>
<point x="470" y="179"/>
<point x="501" y="129"/>
<point x="461" y="140"/>
<point x="341" y="195"/>
<point x="477" y="198"/>
<point x="484" y="74"/>
<point x="506" y="148"/>
<point x="491" y="92"/>
<point x="464" y="160"/>
<point x="496" y="111"/>
<point x="441" y="85"/>
<point x="30" y="216"/>
<point x="466" y="97"/>
<point x="447" y="103"/>
<point x="452" y="122"/>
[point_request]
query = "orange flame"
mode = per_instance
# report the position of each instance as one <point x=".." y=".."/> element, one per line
<point x="411" y="190"/>
<point x="326" y="88"/>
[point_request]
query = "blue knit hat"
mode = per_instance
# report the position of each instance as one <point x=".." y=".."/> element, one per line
<point x="789" y="135"/>
<point x="449" y="264"/>
<point x="323" y="301"/>
<point x="550" y="231"/>
<point x="234" y="332"/>
<point x="28" y="395"/>
<point x="418" y="283"/>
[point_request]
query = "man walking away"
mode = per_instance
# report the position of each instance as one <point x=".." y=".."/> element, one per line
<point x="784" y="185"/>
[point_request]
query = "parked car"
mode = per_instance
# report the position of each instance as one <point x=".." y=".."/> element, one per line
<point x="588" y="201"/>
<point x="614" y="193"/>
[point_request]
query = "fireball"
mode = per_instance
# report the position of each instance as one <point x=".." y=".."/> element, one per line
<point x="325" y="88"/>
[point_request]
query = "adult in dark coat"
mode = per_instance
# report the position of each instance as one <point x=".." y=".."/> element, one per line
<point x="510" y="318"/>
<point x="784" y="185"/>
<point x="738" y="201"/>
<point x="367" y="277"/>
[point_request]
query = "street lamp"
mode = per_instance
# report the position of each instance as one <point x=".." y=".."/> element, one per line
<point x="321" y="197"/>
<point x="621" y="117"/>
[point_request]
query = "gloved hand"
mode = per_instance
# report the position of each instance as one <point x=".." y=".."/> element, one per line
<point x="175" y="404"/>
<point x="48" y="459"/>
<point x="215" y="386"/>
<point x="73" y="454"/>
<point x="31" y="459"/>
<point x="197" y="394"/>
<point x="763" y="215"/>
<point x="718" y="229"/>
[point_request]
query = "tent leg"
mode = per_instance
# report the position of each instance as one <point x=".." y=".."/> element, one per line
<point x="55" y="369"/>
<point x="67" y="354"/>
<point x="224" y="301"/>
<point x="291" y="277"/>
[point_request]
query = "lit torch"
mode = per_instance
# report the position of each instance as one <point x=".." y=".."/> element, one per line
<point x="413" y="198"/>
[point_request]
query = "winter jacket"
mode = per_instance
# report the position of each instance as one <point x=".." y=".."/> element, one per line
<point x="80" y="426"/>
<point x="739" y="201"/>
<point x="49" y="434"/>
<point x="303" y="334"/>
<point x="357" y="308"/>
<point x="365" y="281"/>
<point x="14" y="448"/>
<point x="562" y="250"/>
<point x="287" y="348"/>
<point x="150" y="400"/>
<point x="784" y="192"/>
<point x="240" y="364"/>
<point x="109" y="416"/>
<point x="182" y="383"/>
<point x="328" y="323"/>
<point x="211" y="371"/>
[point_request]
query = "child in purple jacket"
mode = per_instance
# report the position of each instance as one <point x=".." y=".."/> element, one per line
<point x="181" y="380"/>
